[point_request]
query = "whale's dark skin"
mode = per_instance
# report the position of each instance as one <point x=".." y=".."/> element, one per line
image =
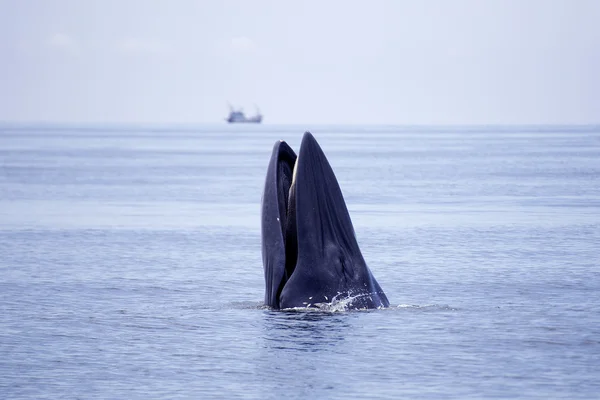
<point x="309" y="248"/>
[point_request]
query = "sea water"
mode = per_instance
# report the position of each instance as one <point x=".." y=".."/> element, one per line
<point x="130" y="264"/>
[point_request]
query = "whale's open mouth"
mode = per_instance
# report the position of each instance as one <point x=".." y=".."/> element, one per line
<point x="310" y="251"/>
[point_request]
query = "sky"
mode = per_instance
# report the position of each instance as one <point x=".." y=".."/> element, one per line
<point x="440" y="62"/>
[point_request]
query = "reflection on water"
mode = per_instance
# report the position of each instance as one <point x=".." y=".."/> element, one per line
<point x="308" y="331"/>
<point x="301" y="351"/>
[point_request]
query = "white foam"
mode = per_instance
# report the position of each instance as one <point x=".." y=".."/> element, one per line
<point x="337" y="304"/>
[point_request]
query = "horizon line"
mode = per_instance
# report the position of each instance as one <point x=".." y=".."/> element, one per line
<point x="340" y="124"/>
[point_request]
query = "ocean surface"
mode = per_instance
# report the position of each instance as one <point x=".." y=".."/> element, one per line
<point x="130" y="265"/>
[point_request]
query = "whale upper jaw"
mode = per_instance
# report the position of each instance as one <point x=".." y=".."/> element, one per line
<point x="310" y="252"/>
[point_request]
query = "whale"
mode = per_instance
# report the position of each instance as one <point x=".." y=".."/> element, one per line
<point x="310" y="252"/>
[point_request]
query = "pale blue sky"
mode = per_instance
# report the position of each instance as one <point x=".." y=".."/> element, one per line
<point x="375" y="62"/>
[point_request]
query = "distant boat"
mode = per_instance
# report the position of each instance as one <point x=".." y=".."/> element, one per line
<point x="238" y="116"/>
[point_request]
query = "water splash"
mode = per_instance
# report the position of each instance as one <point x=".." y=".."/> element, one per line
<point x="341" y="302"/>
